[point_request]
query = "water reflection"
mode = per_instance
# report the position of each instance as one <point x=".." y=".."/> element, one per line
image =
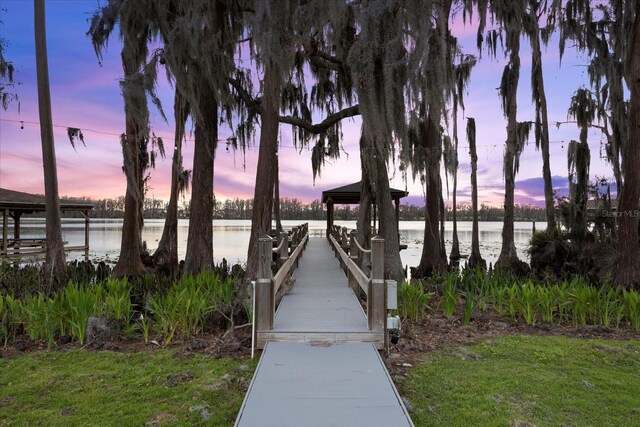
<point x="231" y="237"/>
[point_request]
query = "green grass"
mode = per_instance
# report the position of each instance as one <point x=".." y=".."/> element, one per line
<point x="528" y="380"/>
<point x="105" y="388"/>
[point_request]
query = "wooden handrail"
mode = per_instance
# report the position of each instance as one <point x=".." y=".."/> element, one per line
<point x="374" y="287"/>
<point x="352" y="267"/>
<point x="267" y="284"/>
<point x="286" y="268"/>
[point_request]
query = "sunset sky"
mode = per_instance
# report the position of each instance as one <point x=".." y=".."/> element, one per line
<point x="86" y="95"/>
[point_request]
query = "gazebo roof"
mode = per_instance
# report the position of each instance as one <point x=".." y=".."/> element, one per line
<point x="27" y="203"/>
<point x="350" y="194"/>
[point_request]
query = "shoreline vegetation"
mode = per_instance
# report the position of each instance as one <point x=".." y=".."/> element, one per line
<point x="473" y="345"/>
<point x="295" y="209"/>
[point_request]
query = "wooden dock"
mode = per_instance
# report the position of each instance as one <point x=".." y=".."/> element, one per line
<point x="320" y="307"/>
<point x="320" y="365"/>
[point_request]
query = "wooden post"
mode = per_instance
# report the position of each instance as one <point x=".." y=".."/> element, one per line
<point x="16" y="224"/>
<point x="353" y="255"/>
<point x="283" y="254"/>
<point x="375" y="218"/>
<point x="329" y="216"/>
<point x="5" y="231"/>
<point x="16" y="230"/>
<point x="344" y="244"/>
<point x="295" y="241"/>
<point x="86" y="235"/>
<point x="265" y="301"/>
<point x="397" y="212"/>
<point x="377" y="298"/>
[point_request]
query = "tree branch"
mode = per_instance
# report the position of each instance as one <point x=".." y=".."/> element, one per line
<point x="249" y="100"/>
<point x="320" y="62"/>
<point x="317" y="128"/>
<point x="322" y="59"/>
<point x="325" y="124"/>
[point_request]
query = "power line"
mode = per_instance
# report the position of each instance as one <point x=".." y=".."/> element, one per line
<point x="164" y="137"/>
<point x="227" y="140"/>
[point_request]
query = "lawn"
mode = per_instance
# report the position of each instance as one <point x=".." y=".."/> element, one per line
<point x="104" y="388"/>
<point x="526" y="381"/>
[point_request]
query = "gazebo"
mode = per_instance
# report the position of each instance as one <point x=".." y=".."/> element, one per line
<point x="14" y="204"/>
<point x="350" y="195"/>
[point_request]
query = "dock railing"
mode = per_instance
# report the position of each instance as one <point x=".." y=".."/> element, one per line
<point x="351" y="255"/>
<point x="288" y="252"/>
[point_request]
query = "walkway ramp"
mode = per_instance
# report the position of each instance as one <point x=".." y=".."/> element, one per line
<point x="300" y="384"/>
<point x="320" y="307"/>
<point x="320" y="365"/>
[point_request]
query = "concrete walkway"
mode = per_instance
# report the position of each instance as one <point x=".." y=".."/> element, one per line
<point x="318" y="379"/>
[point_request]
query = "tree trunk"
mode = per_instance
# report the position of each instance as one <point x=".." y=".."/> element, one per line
<point x="375" y="167"/>
<point x="475" y="259"/>
<point x="130" y="261"/>
<point x="455" y="243"/>
<point x="431" y="259"/>
<point x="543" y="120"/>
<point x="55" y="264"/>
<point x="628" y="258"/>
<point x="199" y="255"/>
<point x="267" y="167"/>
<point x="580" y="189"/>
<point x="443" y="219"/>
<point x="167" y="253"/>
<point x="364" y="209"/>
<point x="276" y="196"/>
<point x="508" y="258"/>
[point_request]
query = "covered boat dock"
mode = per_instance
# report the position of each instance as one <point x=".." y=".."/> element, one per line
<point x="14" y="204"/>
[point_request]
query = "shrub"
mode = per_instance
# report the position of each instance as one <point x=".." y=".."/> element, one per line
<point x="632" y="308"/>
<point x="44" y="317"/>
<point x="449" y="295"/>
<point x="184" y="307"/>
<point x="118" y="301"/>
<point x="4" y="321"/>
<point x="81" y="303"/>
<point x="527" y="302"/>
<point x="413" y="301"/>
<point x="468" y="308"/>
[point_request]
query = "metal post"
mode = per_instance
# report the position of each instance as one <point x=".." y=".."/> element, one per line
<point x="265" y="301"/>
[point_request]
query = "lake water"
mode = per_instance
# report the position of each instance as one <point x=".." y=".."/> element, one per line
<point x="231" y="237"/>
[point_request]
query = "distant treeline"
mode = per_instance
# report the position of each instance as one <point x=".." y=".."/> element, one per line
<point x="294" y="209"/>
